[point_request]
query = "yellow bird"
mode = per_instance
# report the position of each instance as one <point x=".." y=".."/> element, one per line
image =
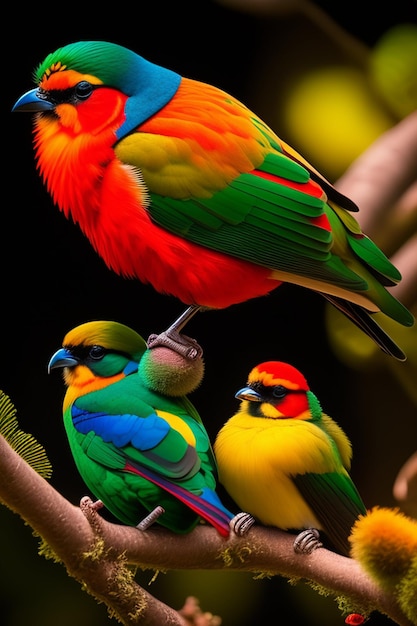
<point x="286" y="462"/>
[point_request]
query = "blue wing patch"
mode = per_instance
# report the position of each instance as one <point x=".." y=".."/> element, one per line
<point x="143" y="433"/>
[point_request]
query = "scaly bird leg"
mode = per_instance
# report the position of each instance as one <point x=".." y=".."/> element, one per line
<point x="172" y="338"/>
<point x="151" y="518"/>
<point x="307" y="541"/>
<point x="241" y="523"/>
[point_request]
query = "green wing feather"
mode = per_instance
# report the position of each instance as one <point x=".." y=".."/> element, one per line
<point x="284" y="229"/>
<point x="171" y="457"/>
<point x="134" y="398"/>
<point x="333" y="496"/>
<point x="105" y="466"/>
<point x="23" y="443"/>
<point x="261" y="222"/>
<point x="336" y="503"/>
<point x="252" y="197"/>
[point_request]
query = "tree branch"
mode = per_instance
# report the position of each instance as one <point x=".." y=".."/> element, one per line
<point x="98" y="553"/>
<point x="383" y="182"/>
<point x="383" y="173"/>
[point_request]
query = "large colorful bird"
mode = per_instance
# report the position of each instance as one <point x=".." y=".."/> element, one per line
<point x="178" y="184"/>
<point x="137" y="441"/>
<point x="286" y="462"/>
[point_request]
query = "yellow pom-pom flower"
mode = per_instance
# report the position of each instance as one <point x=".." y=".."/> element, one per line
<point x="384" y="542"/>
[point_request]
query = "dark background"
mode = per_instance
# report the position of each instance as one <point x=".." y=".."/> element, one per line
<point x="51" y="280"/>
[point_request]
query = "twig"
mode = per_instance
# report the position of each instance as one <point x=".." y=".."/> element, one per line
<point x="97" y="553"/>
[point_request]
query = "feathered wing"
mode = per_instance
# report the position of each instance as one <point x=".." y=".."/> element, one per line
<point x="286" y="226"/>
<point x="152" y="449"/>
<point x="333" y="496"/>
<point x="336" y="503"/>
<point x="266" y="205"/>
<point x="219" y="177"/>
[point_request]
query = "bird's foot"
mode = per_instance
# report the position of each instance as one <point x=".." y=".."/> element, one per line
<point x="172" y="338"/>
<point x="151" y="518"/>
<point x="241" y="523"/>
<point x="89" y="509"/>
<point x="307" y="541"/>
<point x="183" y="345"/>
<point x="93" y="505"/>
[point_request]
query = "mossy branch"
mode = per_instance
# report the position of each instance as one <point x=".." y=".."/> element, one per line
<point x="98" y="553"/>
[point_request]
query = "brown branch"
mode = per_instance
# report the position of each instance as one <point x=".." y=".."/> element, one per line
<point x="383" y="182"/>
<point x="97" y="553"/>
<point x="383" y="173"/>
<point x="405" y="486"/>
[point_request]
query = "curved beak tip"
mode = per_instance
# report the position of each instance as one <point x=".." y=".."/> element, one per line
<point x="247" y="393"/>
<point x="30" y="102"/>
<point x="61" y="358"/>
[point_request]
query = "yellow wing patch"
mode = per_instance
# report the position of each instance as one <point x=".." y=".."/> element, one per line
<point x="179" y="425"/>
<point x="196" y="145"/>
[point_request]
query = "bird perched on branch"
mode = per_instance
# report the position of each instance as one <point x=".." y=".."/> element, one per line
<point x="137" y="441"/>
<point x="286" y="462"/>
<point x="178" y="184"/>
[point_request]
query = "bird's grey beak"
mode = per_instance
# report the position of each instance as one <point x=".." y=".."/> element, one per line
<point x="31" y="102"/>
<point x="62" y="358"/>
<point x="247" y="393"/>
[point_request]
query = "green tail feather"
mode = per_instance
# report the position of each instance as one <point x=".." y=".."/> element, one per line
<point x="23" y="443"/>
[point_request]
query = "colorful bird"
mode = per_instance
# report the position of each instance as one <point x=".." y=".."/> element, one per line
<point x="178" y="184"/>
<point x="285" y="461"/>
<point x="138" y="444"/>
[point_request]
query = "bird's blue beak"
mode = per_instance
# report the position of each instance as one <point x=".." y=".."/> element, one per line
<point x="247" y="393"/>
<point x="31" y="102"/>
<point x="62" y="358"/>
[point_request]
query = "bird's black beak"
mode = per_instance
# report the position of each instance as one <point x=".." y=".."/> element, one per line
<point x="62" y="358"/>
<point x="32" y="102"/>
<point x="247" y="393"/>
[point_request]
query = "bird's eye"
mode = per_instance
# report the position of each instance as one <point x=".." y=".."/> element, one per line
<point x="83" y="90"/>
<point x="96" y="353"/>
<point x="279" y="391"/>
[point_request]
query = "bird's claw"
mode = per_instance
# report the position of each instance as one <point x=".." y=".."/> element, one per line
<point x="183" y="345"/>
<point x="87" y="503"/>
<point x="241" y="523"/>
<point x="171" y="337"/>
<point x="307" y="541"/>
<point x="151" y="518"/>
<point x="89" y="509"/>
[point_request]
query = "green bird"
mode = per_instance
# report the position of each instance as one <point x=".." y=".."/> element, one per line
<point x="136" y="439"/>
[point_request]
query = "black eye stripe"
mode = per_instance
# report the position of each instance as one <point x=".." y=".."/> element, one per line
<point x="81" y="91"/>
<point x="96" y="353"/>
<point x="279" y="391"/>
<point x="273" y="393"/>
<point x="93" y="352"/>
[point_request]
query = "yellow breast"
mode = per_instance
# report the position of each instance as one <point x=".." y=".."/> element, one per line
<point x="257" y="458"/>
